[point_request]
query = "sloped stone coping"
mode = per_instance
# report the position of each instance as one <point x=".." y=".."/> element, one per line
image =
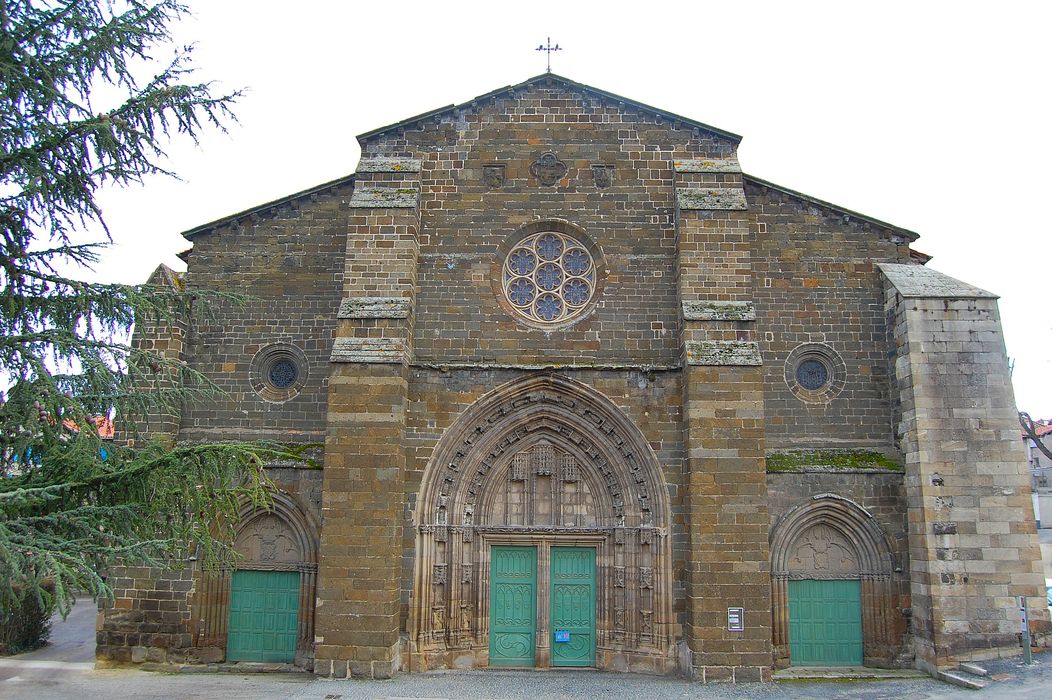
<point x="719" y="311"/>
<point x="721" y="198"/>
<point x="388" y="165"/>
<point x="707" y="165"/>
<point x="374" y="307"/>
<point x="368" y="350"/>
<point x="724" y="353"/>
<point x="384" y="198"/>
<point x="912" y="281"/>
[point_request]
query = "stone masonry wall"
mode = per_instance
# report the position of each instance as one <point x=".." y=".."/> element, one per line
<point x="463" y="221"/>
<point x="815" y="281"/>
<point x="288" y="262"/>
<point x="149" y="619"/>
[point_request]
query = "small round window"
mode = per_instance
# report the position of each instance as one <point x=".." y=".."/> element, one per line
<point x="549" y="278"/>
<point x="812" y="374"/>
<point x="278" y="372"/>
<point x="815" y="373"/>
<point x="283" y="373"/>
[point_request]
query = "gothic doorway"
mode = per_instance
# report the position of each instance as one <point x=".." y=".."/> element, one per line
<point x="263" y="610"/>
<point x="831" y="578"/>
<point x="543" y="516"/>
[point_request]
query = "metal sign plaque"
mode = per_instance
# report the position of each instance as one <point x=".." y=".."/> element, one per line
<point x="562" y="635"/>
<point x="736" y="619"/>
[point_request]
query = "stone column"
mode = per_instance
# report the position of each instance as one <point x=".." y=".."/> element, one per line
<point x="363" y="502"/>
<point x="728" y="562"/>
<point x="972" y="536"/>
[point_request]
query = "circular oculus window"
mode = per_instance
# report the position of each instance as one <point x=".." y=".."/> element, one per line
<point x="278" y="372"/>
<point x="549" y="277"/>
<point x="815" y="373"/>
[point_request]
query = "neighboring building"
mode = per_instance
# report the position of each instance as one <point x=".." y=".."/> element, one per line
<point x="591" y="396"/>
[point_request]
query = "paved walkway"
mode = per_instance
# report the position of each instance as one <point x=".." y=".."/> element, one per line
<point x="64" y="670"/>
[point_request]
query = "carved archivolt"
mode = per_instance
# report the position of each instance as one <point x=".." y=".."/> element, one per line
<point x="830" y="537"/>
<point x="542" y="461"/>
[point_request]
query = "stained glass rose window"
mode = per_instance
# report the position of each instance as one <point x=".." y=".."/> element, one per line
<point x="549" y="277"/>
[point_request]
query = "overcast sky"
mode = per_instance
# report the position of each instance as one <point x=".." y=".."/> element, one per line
<point x="932" y="116"/>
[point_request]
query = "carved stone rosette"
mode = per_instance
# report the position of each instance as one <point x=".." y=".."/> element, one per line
<point x="543" y="462"/>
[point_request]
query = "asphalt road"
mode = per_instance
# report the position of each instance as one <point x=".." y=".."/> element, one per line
<point x="64" y="670"/>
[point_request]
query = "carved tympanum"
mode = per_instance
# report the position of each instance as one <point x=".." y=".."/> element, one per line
<point x="536" y="493"/>
<point x="268" y="539"/>
<point x="823" y="549"/>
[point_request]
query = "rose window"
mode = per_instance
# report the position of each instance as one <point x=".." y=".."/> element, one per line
<point x="549" y="277"/>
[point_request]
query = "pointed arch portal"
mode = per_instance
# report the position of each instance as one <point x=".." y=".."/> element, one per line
<point x="547" y="464"/>
<point x="831" y="538"/>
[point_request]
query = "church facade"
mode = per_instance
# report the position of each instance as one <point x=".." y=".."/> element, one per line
<point x="582" y="393"/>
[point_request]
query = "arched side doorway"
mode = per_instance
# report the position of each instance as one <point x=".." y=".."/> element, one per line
<point x="543" y="537"/>
<point x="832" y="594"/>
<point x="263" y="609"/>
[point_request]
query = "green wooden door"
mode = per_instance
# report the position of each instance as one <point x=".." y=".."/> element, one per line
<point x="513" y="606"/>
<point x="573" y="606"/>
<point x="825" y="623"/>
<point x="264" y="612"/>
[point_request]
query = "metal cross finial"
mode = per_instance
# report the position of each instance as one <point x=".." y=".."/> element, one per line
<point x="549" y="48"/>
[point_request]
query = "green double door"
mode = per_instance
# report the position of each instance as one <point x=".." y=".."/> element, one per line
<point x="825" y="623"/>
<point x="264" y="616"/>
<point x="513" y="606"/>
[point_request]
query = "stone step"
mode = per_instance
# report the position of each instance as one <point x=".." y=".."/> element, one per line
<point x="974" y="670"/>
<point x="964" y="680"/>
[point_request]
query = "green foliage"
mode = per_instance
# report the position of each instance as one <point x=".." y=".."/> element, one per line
<point x="71" y="503"/>
<point x="25" y="626"/>
<point x="797" y="460"/>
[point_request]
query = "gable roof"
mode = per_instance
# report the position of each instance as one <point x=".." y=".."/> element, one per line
<point x="259" y="208"/>
<point x="545" y="79"/>
<point x="905" y="233"/>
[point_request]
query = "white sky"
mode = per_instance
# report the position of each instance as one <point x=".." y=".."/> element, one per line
<point x="933" y="116"/>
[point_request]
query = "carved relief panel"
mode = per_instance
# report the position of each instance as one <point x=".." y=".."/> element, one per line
<point x="823" y="550"/>
<point x="268" y="539"/>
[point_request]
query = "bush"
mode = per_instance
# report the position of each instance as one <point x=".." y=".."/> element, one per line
<point x="26" y="626"/>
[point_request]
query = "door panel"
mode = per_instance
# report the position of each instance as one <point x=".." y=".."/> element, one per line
<point x="264" y="616"/>
<point x="825" y="623"/>
<point x="513" y="606"/>
<point x="573" y="606"/>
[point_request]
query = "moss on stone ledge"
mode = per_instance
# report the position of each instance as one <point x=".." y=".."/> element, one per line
<point x="802" y="460"/>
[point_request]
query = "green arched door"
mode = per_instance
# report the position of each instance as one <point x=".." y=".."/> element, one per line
<point x="825" y="623"/>
<point x="264" y="616"/>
